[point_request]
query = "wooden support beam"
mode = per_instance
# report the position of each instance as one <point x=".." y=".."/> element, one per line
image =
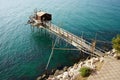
<point x="66" y="49"/>
<point x="76" y="41"/>
<point x="51" y="54"/>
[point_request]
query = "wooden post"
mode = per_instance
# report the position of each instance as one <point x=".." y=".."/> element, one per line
<point x="39" y="30"/>
<point x="66" y="44"/>
<point x="33" y="28"/>
<point x="93" y="44"/>
<point x="45" y="32"/>
<point x="82" y="35"/>
<point x="51" y="55"/>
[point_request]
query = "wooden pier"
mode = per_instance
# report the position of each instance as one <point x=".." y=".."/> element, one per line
<point x="43" y="20"/>
<point x="76" y="41"/>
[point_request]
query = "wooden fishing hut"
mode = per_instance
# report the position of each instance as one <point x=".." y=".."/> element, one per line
<point x="40" y="18"/>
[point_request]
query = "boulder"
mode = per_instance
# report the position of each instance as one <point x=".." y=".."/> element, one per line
<point x="39" y="78"/>
<point x="96" y="59"/>
<point x="55" y="78"/>
<point x="80" y="64"/>
<point x="88" y="64"/>
<point x="75" y="66"/>
<point x="101" y="59"/>
<point x="65" y="68"/>
<point x="69" y="68"/>
<point x="115" y="55"/>
<point x="59" y="76"/>
<point x="43" y="76"/>
<point x="56" y="73"/>
<point x="113" y="50"/>
<point x="51" y="76"/>
<point x="108" y="53"/>
<point x="61" y="71"/>
<point x="93" y="67"/>
<point x="71" y="74"/>
<point x="65" y="76"/>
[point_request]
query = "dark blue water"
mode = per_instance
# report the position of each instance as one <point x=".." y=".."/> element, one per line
<point x="24" y="54"/>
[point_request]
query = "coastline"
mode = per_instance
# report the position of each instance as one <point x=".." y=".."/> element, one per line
<point x="70" y="73"/>
<point x="73" y="73"/>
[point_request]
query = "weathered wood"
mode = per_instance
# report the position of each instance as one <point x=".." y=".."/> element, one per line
<point x="76" y="41"/>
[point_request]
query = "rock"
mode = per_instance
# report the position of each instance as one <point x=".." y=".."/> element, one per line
<point x="96" y="59"/>
<point x="61" y="71"/>
<point x="92" y="61"/>
<point x="108" y="53"/>
<point x="115" y="55"/>
<point x="101" y="59"/>
<point x="65" y="76"/>
<point x="51" y="76"/>
<point x="61" y="79"/>
<point x="65" y="73"/>
<point x="65" y="68"/>
<point x="56" y="73"/>
<point x="75" y="66"/>
<point x="78" y="69"/>
<point x="59" y="76"/>
<point x="71" y="74"/>
<point x="80" y="65"/>
<point x="43" y="75"/>
<point x="88" y="61"/>
<point x="69" y="69"/>
<point x="76" y="72"/>
<point x="88" y="64"/>
<point x="113" y="50"/>
<point x="55" y="78"/>
<point x="53" y="71"/>
<point x="93" y="66"/>
<point x="73" y="78"/>
<point x="39" y="78"/>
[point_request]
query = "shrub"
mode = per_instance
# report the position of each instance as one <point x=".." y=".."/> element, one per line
<point x="116" y="43"/>
<point x="85" y="71"/>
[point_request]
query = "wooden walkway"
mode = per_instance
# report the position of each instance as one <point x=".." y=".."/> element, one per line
<point x="76" y="41"/>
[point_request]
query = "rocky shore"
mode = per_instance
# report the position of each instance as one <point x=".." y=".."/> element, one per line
<point x="70" y="73"/>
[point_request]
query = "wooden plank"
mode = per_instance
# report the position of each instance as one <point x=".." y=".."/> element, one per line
<point x="79" y="42"/>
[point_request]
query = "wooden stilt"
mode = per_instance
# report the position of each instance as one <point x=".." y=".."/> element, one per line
<point x="51" y="54"/>
<point x="78" y="42"/>
<point x="66" y="44"/>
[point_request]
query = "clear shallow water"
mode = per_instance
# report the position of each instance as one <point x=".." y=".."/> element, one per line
<point x="24" y="54"/>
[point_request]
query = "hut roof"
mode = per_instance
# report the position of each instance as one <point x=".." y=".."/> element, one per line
<point x="41" y="13"/>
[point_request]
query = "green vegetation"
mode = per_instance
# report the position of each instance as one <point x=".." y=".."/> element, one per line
<point x="85" y="71"/>
<point x="116" y="43"/>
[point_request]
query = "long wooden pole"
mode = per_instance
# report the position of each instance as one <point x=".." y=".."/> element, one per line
<point x="51" y="54"/>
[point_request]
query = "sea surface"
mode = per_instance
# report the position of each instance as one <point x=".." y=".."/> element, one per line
<point x="24" y="52"/>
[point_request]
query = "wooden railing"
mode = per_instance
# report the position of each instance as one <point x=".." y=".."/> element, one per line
<point x="81" y="43"/>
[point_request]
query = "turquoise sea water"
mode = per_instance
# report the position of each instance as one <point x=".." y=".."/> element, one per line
<point x="24" y="54"/>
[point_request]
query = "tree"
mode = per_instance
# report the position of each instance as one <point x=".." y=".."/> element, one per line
<point x="116" y="43"/>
